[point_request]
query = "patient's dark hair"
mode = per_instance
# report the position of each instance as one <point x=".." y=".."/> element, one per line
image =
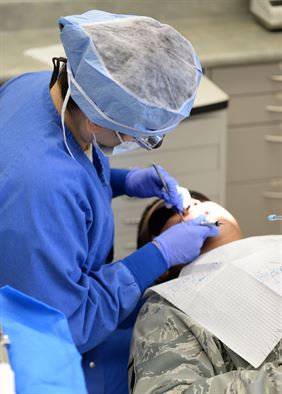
<point x="155" y="216"/>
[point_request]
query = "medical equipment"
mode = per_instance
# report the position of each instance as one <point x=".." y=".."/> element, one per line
<point x="165" y="187"/>
<point x="149" y="71"/>
<point x="274" y="218"/>
<point x="7" y="378"/>
<point x="150" y="142"/>
<point x="268" y="12"/>
<point x="208" y="223"/>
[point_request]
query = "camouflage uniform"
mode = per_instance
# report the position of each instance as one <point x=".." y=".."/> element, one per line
<point x="170" y="353"/>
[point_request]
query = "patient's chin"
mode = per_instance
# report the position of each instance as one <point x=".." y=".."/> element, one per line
<point x="208" y="245"/>
<point x="228" y="232"/>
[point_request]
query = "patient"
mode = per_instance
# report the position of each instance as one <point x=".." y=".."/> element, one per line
<point x="171" y="353"/>
<point x="157" y="218"/>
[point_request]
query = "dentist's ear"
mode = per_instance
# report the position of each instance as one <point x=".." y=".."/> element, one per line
<point x="91" y="127"/>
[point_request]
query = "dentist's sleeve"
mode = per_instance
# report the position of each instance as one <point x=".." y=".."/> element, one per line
<point x="118" y="176"/>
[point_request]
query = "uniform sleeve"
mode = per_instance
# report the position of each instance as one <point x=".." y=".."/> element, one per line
<point x="118" y="176"/>
<point x="172" y="354"/>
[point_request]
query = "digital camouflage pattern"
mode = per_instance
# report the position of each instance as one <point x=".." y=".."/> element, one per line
<point x="172" y="354"/>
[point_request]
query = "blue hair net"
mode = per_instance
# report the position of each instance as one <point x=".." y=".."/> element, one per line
<point x="129" y="73"/>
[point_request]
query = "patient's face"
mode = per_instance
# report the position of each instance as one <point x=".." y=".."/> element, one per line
<point x="229" y="231"/>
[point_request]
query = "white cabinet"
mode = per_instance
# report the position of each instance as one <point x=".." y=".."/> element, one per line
<point x="194" y="154"/>
<point x="254" y="144"/>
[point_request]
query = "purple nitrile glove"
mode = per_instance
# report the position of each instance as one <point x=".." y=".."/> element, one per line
<point x="146" y="183"/>
<point x="182" y="243"/>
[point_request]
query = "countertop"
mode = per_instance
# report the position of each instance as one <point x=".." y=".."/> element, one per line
<point x="232" y="40"/>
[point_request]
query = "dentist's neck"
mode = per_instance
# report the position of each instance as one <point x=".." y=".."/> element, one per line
<point x="73" y="122"/>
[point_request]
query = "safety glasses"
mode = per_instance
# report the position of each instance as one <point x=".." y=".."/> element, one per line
<point x="150" y="142"/>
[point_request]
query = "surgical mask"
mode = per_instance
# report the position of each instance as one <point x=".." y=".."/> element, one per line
<point x="123" y="147"/>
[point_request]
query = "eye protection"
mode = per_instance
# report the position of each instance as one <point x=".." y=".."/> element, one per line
<point x="150" y="142"/>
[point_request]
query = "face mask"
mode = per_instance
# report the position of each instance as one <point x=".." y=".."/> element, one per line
<point x="123" y="147"/>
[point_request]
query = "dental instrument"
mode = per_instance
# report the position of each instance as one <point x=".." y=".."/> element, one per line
<point x="210" y="223"/>
<point x="274" y="218"/>
<point x="165" y="187"/>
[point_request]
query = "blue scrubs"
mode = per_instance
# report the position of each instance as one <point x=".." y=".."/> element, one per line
<point x="56" y="230"/>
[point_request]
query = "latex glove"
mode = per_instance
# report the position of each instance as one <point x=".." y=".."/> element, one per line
<point x="182" y="243"/>
<point x="146" y="183"/>
<point x="183" y="194"/>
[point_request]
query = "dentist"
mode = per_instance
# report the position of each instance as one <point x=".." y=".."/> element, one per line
<point x="127" y="81"/>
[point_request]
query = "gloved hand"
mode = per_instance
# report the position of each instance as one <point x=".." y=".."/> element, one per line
<point x="182" y="243"/>
<point x="146" y="183"/>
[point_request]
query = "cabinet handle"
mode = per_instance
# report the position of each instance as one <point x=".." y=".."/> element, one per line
<point x="276" y="78"/>
<point x="273" y="138"/>
<point x="274" y="108"/>
<point x="273" y="195"/>
<point x="132" y="221"/>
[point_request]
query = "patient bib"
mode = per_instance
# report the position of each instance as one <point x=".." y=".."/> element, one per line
<point x="235" y="292"/>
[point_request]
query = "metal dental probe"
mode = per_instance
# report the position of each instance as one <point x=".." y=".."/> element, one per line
<point x="165" y="187"/>
<point x="274" y="218"/>
<point x="207" y="223"/>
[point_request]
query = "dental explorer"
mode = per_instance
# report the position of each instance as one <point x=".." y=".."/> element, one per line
<point x="166" y="187"/>
<point x="210" y="223"/>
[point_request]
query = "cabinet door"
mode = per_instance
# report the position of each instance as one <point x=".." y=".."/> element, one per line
<point x="180" y="161"/>
<point x="255" y="109"/>
<point x="254" y="152"/>
<point x="252" y="203"/>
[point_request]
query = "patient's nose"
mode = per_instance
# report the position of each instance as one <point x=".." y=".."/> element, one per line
<point x="191" y="213"/>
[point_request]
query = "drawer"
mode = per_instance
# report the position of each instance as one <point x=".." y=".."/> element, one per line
<point x="124" y="245"/>
<point x="127" y="219"/>
<point x="185" y="160"/>
<point x="252" y="203"/>
<point x="242" y="80"/>
<point x="202" y="129"/>
<point x="255" y="109"/>
<point x="254" y="152"/>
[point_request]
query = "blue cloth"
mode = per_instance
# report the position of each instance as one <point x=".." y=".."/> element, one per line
<point x="41" y="351"/>
<point x="110" y="96"/>
<point x="56" y="227"/>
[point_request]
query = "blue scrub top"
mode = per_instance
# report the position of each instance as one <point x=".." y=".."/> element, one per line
<point x="56" y="227"/>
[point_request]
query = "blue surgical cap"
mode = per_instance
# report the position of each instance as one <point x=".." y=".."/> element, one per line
<point x="129" y="73"/>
